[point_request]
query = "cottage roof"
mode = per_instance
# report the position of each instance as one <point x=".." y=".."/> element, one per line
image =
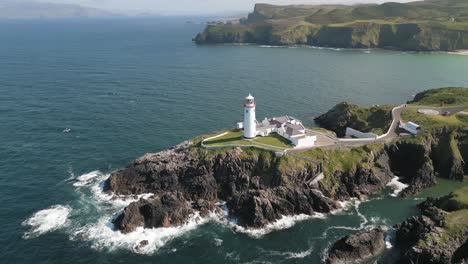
<point x="294" y="130"/>
<point x="412" y="125"/>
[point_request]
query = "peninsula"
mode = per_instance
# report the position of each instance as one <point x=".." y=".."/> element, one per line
<point x="260" y="177"/>
<point x="431" y="25"/>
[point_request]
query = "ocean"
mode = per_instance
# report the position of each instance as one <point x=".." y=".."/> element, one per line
<point x="125" y="87"/>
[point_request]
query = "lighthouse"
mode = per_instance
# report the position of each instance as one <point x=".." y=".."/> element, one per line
<point x="250" y="128"/>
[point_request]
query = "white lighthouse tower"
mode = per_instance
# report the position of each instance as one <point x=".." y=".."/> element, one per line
<point x="250" y="127"/>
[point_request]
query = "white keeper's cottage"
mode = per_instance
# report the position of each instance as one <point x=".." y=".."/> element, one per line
<point x="288" y="127"/>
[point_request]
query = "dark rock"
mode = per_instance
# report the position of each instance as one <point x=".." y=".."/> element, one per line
<point x="168" y="210"/>
<point x="357" y="247"/>
<point x="424" y="238"/>
<point x="337" y="118"/>
<point x="413" y="229"/>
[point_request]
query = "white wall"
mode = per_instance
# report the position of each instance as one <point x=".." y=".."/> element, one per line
<point x="358" y="134"/>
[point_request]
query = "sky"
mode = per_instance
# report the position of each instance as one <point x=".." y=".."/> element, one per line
<point x="195" y="7"/>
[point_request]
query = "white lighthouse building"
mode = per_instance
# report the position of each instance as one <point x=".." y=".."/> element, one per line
<point x="287" y="127"/>
<point x="250" y="123"/>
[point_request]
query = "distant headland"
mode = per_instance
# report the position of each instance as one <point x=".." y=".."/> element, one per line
<point x="431" y="25"/>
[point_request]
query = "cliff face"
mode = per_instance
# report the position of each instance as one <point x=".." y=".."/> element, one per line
<point x="408" y="36"/>
<point x="441" y="149"/>
<point x="257" y="186"/>
<point x="439" y="235"/>
<point x="390" y="25"/>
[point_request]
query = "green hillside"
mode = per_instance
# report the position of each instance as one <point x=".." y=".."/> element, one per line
<point x="426" y="25"/>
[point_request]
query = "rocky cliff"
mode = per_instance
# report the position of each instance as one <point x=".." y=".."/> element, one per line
<point x="420" y="27"/>
<point x="357" y="247"/>
<point x="441" y="149"/>
<point x="258" y="187"/>
<point x="439" y="235"/>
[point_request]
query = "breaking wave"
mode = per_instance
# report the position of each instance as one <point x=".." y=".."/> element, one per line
<point x="284" y="222"/>
<point x="86" y="178"/>
<point x="397" y="186"/>
<point x="142" y="241"/>
<point x="47" y="220"/>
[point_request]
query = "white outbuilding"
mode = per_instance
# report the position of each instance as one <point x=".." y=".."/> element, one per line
<point x="411" y="127"/>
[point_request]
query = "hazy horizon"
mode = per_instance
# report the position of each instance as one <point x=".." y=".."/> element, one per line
<point x="189" y="7"/>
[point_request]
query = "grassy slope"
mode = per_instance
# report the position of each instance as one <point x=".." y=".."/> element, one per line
<point x="456" y="221"/>
<point x="389" y="24"/>
<point x="452" y="96"/>
<point x="342" y="160"/>
<point x="236" y="137"/>
<point x="430" y="122"/>
<point x="375" y="119"/>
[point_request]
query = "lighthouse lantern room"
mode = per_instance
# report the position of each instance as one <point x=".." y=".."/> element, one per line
<point x="250" y="128"/>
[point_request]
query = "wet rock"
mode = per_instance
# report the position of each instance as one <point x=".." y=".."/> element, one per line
<point x="357" y="247"/>
<point x="171" y="209"/>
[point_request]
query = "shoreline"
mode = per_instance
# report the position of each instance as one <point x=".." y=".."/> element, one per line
<point x="459" y="52"/>
<point x="366" y="50"/>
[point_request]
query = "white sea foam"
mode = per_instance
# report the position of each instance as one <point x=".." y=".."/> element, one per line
<point x="218" y="241"/>
<point x="142" y="241"/>
<point x="298" y="255"/>
<point x="283" y="223"/>
<point x="344" y="206"/>
<point x="397" y="186"/>
<point x="47" y="220"/>
<point x="388" y="244"/>
<point x="270" y="46"/>
<point x="117" y="201"/>
<point x="86" y="178"/>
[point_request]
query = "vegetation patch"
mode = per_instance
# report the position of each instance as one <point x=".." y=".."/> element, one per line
<point x="236" y="137"/>
<point x="451" y="96"/>
<point x="430" y="122"/>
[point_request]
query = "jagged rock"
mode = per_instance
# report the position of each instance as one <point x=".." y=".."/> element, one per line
<point x="413" y="229"/>
<point x="168" y="210"/>
<point x="426" y="239"/>
<point x="337" y="118"/>
<point x="257" y="208"/>
<point x="357" y="247"/>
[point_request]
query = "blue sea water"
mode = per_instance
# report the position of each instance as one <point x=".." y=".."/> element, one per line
<point x="125" y="87"/>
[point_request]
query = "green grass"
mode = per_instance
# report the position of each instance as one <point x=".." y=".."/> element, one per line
<point x="456" y="225"/>
<point x="274" y="140"/>
<point x="456" y="222"/>
<point x="429" y="122"/>
<point x="344" y="160"/>
<point x="452" y="96"/>
<point x="235" y="137"/>
<point x="456" y="200"/>
<point x="375" y="119"/>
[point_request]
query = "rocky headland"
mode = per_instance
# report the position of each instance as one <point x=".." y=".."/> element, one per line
<point x="431" y="25"/>
<point x="257" y="187"/>
<point x="438" y="235"/>
<point x="440" y="150"/>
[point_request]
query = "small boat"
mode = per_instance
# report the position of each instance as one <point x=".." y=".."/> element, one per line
<point x="66" y="130"/>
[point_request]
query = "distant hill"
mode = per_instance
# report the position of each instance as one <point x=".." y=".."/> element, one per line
<point x="30" y="10"/>
<point x="425" y="25"/>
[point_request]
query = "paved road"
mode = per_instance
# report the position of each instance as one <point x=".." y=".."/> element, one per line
<point x="325" y="140"/>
